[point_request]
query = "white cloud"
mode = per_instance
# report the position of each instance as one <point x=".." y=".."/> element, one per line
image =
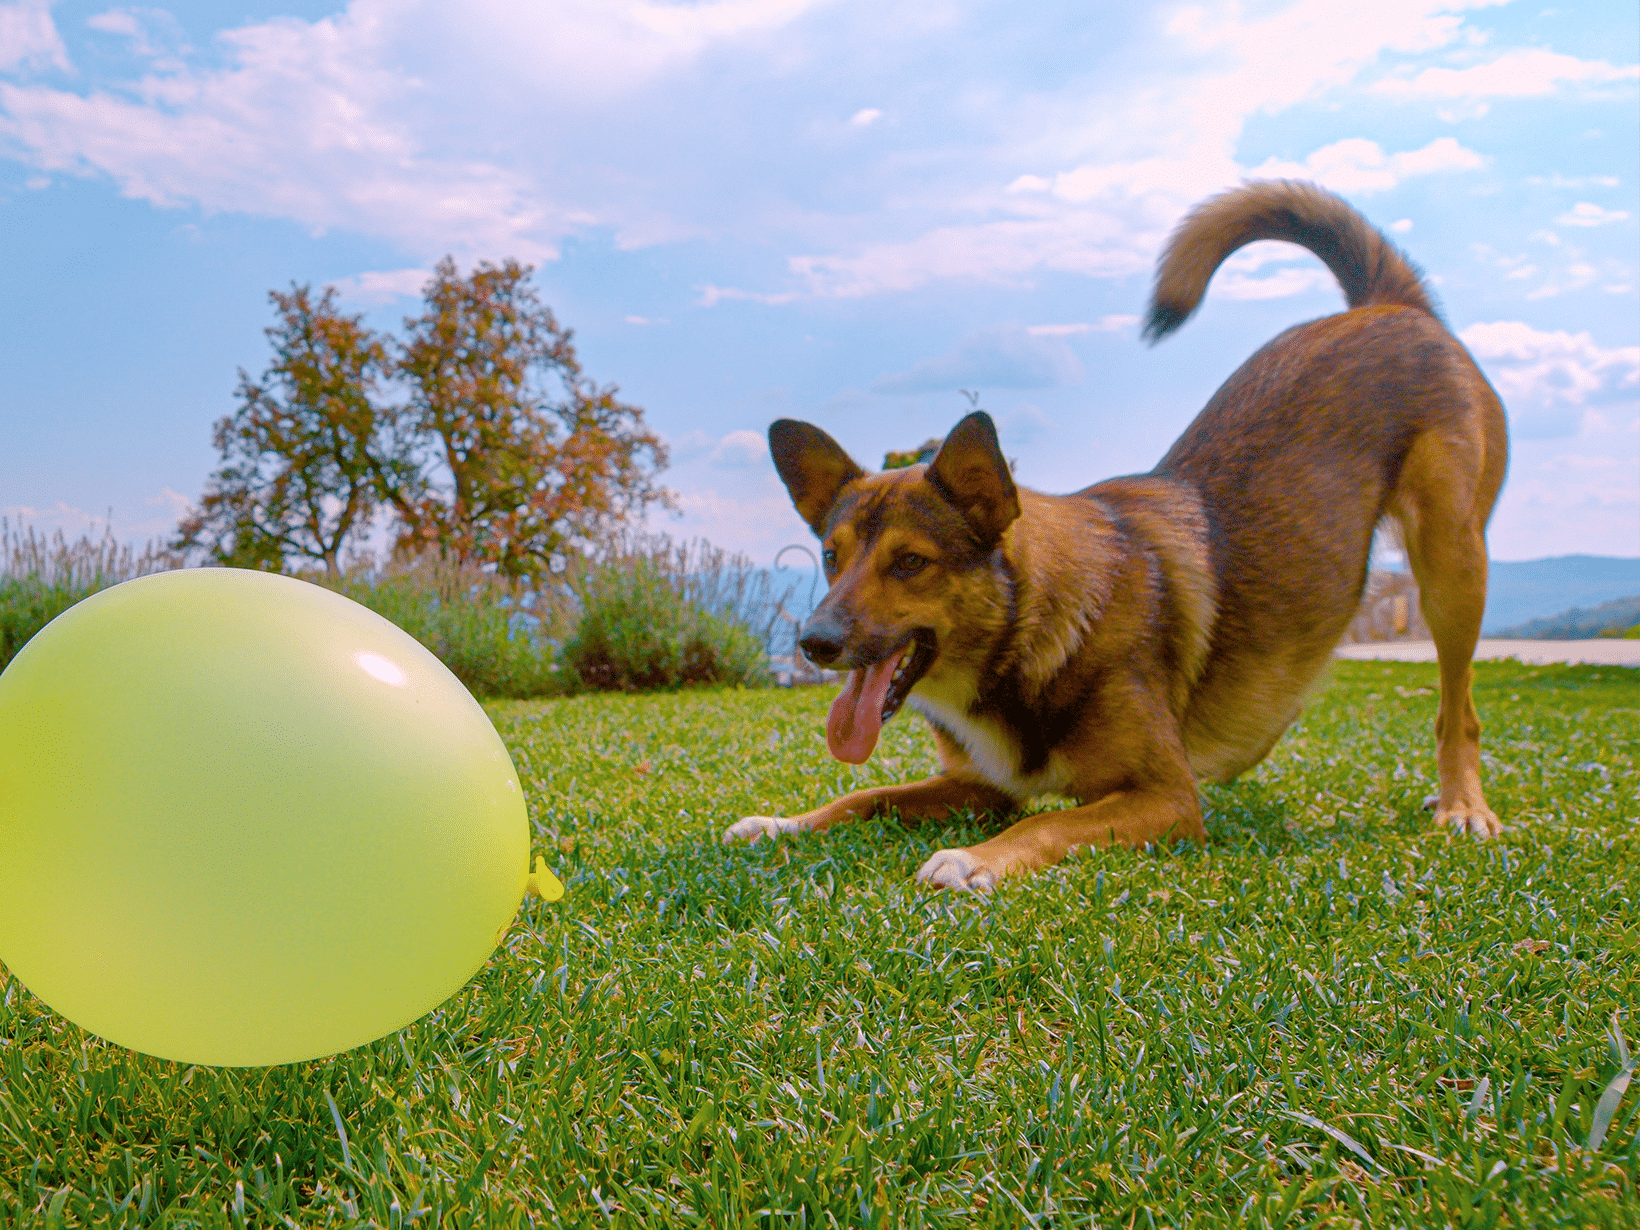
<point x="1356" y="165"/>
<point x="757" y="518"/>
<point x="61" y="517"/>
<point x="175" y="501"/>
<point x="1293" y="52"/>
<point x="1557" y="180"/>
<point x="1007" y="357"/>
<point x="1293" y="280"/>
<point x="1179" y="177"/>
<point x="1401" y="227"/>
<point x="1264" y="252"/>
<point x="148" y="32"/>
<point x="171" y="507"/>
<point x="1527" y="73"/>
<point x="607" y="46"/>
<point x="1299" y="273"/>
<point x="346" y="122"/>
<point x="1556" y="507"/>
<point x="996" y="252"/>
<point x="1025" y="424"/>
<point x="1585" y="213"/>
<point x="1575" y="276"/>
<point x="1548" y="379"/>
<point x="115" y="21"/>
<point x="741" y="450"/>
<point x="1114" y="323"/>
<point x="494" y="129"/>
<point x="1569" y="266"/>
<point x="28" y="37"/>
<point x="382" y="286"/>
<point x="152" y="526"/>
<point x="710" y="295"/>
<point x="1147" y="154"/>
<point x="687" y="447"/>
<point x="303" y="127"/>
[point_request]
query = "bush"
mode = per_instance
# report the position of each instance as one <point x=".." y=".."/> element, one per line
<point x="646" y="613"/>
<point x="477" y="623"/>
<point x="724" y="583"/>
<point x="28" y="604"/>
<point x="467" y="618"/>
<point x="638" y="632"/>
<point x="470" y="634"/>
<point x="42" y="576"/>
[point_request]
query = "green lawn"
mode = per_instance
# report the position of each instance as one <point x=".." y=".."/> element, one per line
<point x="1330" y="1016"/>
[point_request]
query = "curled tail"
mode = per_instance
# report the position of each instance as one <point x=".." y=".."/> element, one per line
<point x="1368" y="267"/>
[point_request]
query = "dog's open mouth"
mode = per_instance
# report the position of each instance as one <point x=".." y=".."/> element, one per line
<point x="915" y="659"/>
<point x="872" y="695"/>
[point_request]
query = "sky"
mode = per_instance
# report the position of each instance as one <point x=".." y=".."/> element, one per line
<point x="842" y="213"/>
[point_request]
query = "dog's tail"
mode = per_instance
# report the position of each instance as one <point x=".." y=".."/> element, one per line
<point x="1368" y="267"/>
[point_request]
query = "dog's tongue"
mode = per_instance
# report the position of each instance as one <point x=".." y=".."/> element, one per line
<point x="857" y="714"/>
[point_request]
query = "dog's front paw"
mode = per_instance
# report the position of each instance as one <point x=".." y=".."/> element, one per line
<point x="1478" y="820"/>
<point x="957" y="869"/>
<point x="754" y="827"/>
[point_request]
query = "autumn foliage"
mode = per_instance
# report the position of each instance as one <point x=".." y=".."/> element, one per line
<point x="313" y="450"/>
<point x="478" y="431"/>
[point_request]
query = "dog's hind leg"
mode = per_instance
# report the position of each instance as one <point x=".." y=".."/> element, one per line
<point x="1447" y="486"/>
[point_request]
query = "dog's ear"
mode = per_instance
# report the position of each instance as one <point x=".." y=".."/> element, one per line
<point x="972" y="475"/>
<point x="813" y="466"/>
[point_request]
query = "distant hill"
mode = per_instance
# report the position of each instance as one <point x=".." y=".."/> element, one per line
<point x="1577" y="623"/>
<point x="1521" y="591"/>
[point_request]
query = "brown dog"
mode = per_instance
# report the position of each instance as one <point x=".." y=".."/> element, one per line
<point x="1118" y="644"/>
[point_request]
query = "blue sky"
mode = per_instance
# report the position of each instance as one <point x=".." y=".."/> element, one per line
<point x="750" y="209"/>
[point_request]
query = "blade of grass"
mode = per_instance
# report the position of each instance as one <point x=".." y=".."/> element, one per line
<point x="1343" y="1138"/>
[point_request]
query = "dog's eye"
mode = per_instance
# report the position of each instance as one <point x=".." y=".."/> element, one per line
<point x="909" y="564"/>
<point x="828" y="558"/>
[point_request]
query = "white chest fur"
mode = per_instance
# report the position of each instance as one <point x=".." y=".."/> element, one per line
<point x="992" y="750"/>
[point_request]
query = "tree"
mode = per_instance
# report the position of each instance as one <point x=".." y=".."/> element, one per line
<point x="311" y="453"/>
<point x="537" y="457"/>
<point x="926" y="451"/>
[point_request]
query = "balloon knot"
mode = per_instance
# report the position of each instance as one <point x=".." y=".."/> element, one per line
<point x="543" y="883"/>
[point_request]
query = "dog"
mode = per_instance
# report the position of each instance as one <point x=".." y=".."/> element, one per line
<point x="1120" y="644"/>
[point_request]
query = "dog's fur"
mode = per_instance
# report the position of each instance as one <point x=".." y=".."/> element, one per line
<point x="1120" y="643"/>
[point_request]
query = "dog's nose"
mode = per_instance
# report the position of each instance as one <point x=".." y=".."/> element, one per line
<point x="822" y="641"/>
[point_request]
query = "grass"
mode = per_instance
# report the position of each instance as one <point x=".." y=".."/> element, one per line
<point x="1328" y="1016"/>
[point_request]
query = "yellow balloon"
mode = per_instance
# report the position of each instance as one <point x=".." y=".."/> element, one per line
<point x="246" y="821"/>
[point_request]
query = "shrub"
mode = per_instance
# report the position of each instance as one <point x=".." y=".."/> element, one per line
<point x="646" y="613"/>
<point x="724" y="583"/>
<point x="637" y="631"/>
<point x="41" y="576"/>
<point x="26" y="606"/>
<point x="478" y="624"/>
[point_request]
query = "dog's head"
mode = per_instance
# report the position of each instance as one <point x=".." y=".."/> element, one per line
<point x="899" y="549"/>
